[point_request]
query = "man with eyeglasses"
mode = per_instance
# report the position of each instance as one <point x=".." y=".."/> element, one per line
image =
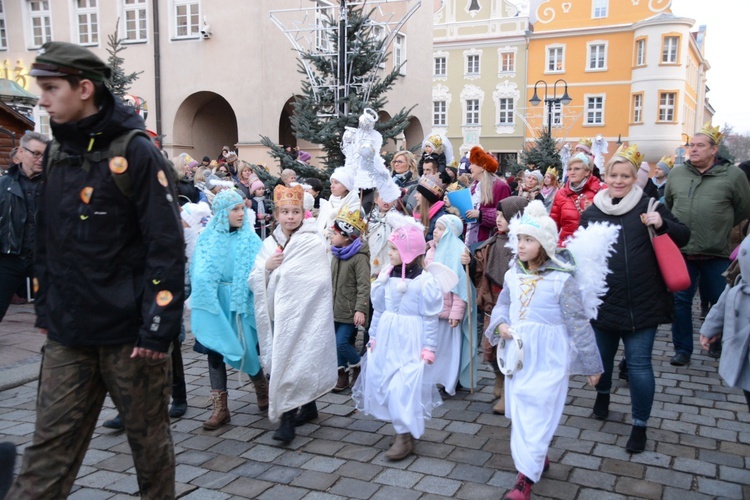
<point x="19" y="189"/>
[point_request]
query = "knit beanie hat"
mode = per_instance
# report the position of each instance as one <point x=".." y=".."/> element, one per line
<point x="537" y="174"/>
<point x="512" y="206"/>
<point x="408" y="238"/>
<point x="256" y="185"/>
<point x="344" y="176"/>
<point x="666" y="163"/>
<point x="536" y="223"/>
<point x="431" y="187"/>
<point x="479" y="157"/>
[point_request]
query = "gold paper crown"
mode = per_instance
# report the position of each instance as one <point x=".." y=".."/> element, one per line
<point x="435" y="140"/>
<point x="351" y="221"/>
<point x="293" y="196"/>
<point x="667" y="160"/>
<point x="585" y="141"/>
<point x="631" y="154"/>
<point x="432" y="184"/>
<point x="712" y="132"/>
<point x="552" y="171"/>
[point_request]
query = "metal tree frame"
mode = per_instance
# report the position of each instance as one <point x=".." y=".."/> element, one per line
<point x="309" y="31"/>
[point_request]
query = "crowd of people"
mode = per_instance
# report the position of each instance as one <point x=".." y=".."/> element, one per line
<point x="394" y="290"/>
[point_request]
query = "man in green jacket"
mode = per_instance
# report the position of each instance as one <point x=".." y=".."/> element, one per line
<point x="709" y="195"/>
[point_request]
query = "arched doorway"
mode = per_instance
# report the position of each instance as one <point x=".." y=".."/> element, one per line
<point x="204" y="122"/>
<point x="286" y="135"/>
<point x="414" y="133"/>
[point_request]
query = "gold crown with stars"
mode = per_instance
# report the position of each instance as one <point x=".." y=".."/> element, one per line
<point x="713" y="132"/>
<point x="351" y="221"/>
<point x="631" y="154"/>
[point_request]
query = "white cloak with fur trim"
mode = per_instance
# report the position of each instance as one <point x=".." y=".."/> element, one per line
<point x="294" y="317"/>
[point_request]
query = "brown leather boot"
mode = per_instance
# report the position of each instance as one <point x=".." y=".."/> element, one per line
<point x="401" y="448"/>
<point x="354" y="371"/>
<point x="260" y="383"/>
<point x="343" y="382"/>
<point x="221" y="415"/>
<point x="499" y="387"/>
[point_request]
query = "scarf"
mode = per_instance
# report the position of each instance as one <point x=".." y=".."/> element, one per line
<point x="449" y="250"/>
<point x="579" y="188"/>
<point x="618" y="206"/>
<point x="347" y="252"/>
<point x="547" y="191"/>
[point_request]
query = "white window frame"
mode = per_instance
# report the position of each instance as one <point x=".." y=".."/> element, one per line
<point x="598" y="46"/>
<point x="440" y="66"/>
<point x="557" y="114"/>
<point x="637" y="116"/>
<point x="87" y="16"/>
<point x="3" y="28"/>
<point x="192" y="30"/>
<point x="440" y="116"/>
<point x="597" y="110"/>
<point x="470" y="68"/>
<point x="44" y="16"/>
<point x="640" y="55"/>
<point x="599" y="9"/>
<point x="671" y="52"/>
<point x="666" y="107"/>
<point x="506" y="111"/>
<point x="134" y="13"/>
<point x="548" y="53"/>
<point x="473" y="108"/>
<point x="508" y="56"/>
<point x="322" y="42"/>
<point x="399" y="52"/>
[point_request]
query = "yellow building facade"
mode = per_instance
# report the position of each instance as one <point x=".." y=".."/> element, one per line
<point x="633" y="69"/>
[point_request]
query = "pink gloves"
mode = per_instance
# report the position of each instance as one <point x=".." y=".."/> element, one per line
<point x="371" y="344"/>
<point x="428" y="356"/>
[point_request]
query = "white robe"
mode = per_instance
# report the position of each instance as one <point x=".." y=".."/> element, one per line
<point x="294" y="317"/>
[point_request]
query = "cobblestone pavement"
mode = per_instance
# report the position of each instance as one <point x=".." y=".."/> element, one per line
<point x="698" y="445"/>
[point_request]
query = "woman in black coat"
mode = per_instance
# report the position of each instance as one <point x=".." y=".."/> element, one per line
<point x="637" y="300"/>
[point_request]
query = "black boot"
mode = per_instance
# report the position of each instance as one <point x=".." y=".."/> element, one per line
<point x="637" y="441"/>
<point x="624" y="375"/>
<point x="285" y="432"/>
<point x="308" y="413"/>
<point x="601" y="406"/>
<point x="114" y="423"/>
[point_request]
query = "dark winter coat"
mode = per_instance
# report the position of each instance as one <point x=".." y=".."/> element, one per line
<point x="111" y="268"/>
<point x="568" y="205"/>
<point x="637" y="297"/>
<point x="14" y="222"/>
<point x="186" y="191"/>
<point x="351" y="285"/>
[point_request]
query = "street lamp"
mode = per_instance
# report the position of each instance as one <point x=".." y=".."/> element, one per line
<point x="551" y="101"/>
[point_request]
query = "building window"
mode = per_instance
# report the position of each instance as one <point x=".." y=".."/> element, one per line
<point x="399" y="52"/>
<point x="88" y="22"/>
<point x="187" y="18"/>
<point x="473" y="5"/>
<point x="472" y="112"/>
<point x="439" y="114"/>
<point x="505" y="111"/>
<point x="41" y="24"/>
<point x="597" y="56"/>
<point x="599" y="8"/>
<point x="440" y="68"/>
<point x="595" y="110"/>
<point x="667" y="106"/>
<point x="640" y="52"/>
<point x="322" y="27"/>
<point x="557" y="114"/>
<point x="555" y="60"/>
<point x="637" y="108"/>
<point x="507" y="62"/>
<point x="134" y="15"/>
<point x="472" y="64"/>
<point x="3" y="32"/>
<point x="670" y="50"/>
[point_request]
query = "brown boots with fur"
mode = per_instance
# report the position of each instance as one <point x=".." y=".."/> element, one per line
<point x="221" y="415"/>
<point x="402" y="447"/>
<point x="260" y="383"/>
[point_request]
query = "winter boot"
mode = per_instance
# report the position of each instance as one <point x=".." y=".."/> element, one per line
<point x="343" y="382"/>
<point x="308" y="413"/>
<point x="285" y="432"/>
<point x="499" y="387"/>
<point x="521" y="490"/>
<point x="637" y="441"/>
<point x="354" y="371"/>
<point x="260" y="383"/>
<point x="114" y="423"/>
<point x="177" y="409"/>
<point x="601" y="406"/>
<point x="221" y="415"/>
<point x="401" y="448"/>
<point x="546" y="465"/>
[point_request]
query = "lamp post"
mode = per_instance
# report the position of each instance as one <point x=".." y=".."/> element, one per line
<point x="551" y="101"/>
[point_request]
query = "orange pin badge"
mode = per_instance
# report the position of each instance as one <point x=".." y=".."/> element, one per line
<point x="163" y="298"/>
<point x="35" y="285"/>
<point x="118" y="165"/>
<point x="162" y="178"/>
<point x="86" y="194"/>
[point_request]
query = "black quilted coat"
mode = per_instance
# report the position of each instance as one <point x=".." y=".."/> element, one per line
<point x="637" y="297"/>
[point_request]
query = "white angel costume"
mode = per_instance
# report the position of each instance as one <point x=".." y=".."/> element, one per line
<point x="394" y="384"/>
<point x="294" y="317"/>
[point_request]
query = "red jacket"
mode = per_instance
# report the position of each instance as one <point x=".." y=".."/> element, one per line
<point x="568" y="205"/>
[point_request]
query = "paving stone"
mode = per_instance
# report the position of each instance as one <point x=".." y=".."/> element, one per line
<point x="204" y="494"/>
<point x="193" y="457"/>
<point x="223" y="463"/>
<point x="186" y="473"/>
<point x="278" y="474"/>
<point x="213" y="480"/>
<point x="697" y="467"/>
<point x="251" y="469"/>
<point x="323" y="447"/>
<point x="359" y="453"/>
<point x="282" y="492"/>
<point x="589" y="494"/>
<point x="593" y="479"/>
<point x="473" y="491"/>
<point x="399" y="478"/>
<point x="320" y="495"/>
<point x="89" y="494"/>
<point x="101" y="479"/>
<point x="463" y="427"/>
<point x="469" y="456"/>
<point x="638" y="488"/>
<point x="623" y="468"/>
<point x="669" y="477"/>
<point x="432" y="466"/>
<point x="721" y="458"/>
<point x="263" y="453"/>
<point x="678" y="494"/>
<point x="363" y="438"/>
<point x="584" y="461"/>
<point x="555" y="489"/>
<point x="314" y="480"/>
<point x="353" y="488"/>
<point x="734" y="475"/>
<point x="394" y="493"/>
<point x="438" y="485"/>
<point x="465" y="472"/>
<point x="719" y="488"/>
<point x="323" y="464"/>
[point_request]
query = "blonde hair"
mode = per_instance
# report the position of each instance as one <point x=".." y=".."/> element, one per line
<point x="244" y="166"/>
<point x="200" y="174"/>
<point x="619" y="159"/>
<point x="487" y="196"/>
<point x="411" y="163"/>
<point x="586" y="166"/>
<point x="179" y="164"/>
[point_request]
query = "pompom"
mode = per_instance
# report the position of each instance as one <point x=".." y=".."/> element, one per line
<point x="401" y="286"/>
<point x="535" y="209"/>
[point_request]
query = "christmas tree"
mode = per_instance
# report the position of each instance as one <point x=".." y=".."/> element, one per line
<point x="119" y="83"/>
<point x="539" y="155"/>
<point x="315" y="117"/>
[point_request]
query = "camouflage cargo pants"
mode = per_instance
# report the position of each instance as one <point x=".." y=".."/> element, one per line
<point x="72" y="386"/>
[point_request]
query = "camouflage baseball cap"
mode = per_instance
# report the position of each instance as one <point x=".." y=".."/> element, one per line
<point x="69" y="59"/>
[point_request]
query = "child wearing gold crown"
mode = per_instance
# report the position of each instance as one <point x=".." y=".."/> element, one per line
<point x="291" y="282"/>
<point x="350" y="270"/>
<point x="395" y="385"/>
<point x="434" y="146"/>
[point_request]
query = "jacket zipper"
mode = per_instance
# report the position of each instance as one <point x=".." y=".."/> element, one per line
<point x="627" y="274"/>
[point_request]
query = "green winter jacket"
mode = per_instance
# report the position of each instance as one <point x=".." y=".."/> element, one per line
<point x="710" y="204"/>
<point x="351" y="285"/>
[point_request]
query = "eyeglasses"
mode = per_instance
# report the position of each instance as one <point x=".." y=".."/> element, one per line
<point x="35" y="154"/>
<point x="398" y="161"/>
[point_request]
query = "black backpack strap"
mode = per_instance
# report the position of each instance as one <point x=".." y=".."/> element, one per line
<point x="118" y="147"/>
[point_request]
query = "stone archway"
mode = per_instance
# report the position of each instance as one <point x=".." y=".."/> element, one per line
<point x="414" y="133"/>
<point x="286" y="134"/>
<point x="204" y="122"/>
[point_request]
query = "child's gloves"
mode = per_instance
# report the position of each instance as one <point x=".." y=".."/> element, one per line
<point x="371" y="344"/>
<point x="428" y="356"/>
<point x="385" y="273"/>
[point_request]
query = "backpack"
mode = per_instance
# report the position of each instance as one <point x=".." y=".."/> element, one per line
<point x="118" y="147"/>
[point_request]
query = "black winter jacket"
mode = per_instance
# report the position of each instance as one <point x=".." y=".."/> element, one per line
<point x="637" y="297"/>
<point x="111" y="268"/>
<point x="13" y="213"/>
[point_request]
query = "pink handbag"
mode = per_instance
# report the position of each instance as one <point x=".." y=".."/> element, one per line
<point x="671" y="262"/>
